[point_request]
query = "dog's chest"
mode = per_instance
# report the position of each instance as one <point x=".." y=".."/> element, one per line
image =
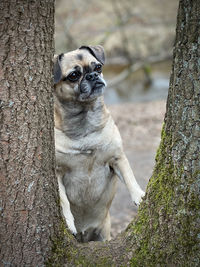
<point x="87" y="175"/>
<point x="84" y="165"/>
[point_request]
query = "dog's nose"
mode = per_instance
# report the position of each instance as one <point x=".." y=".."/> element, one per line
<point x="91" y="76"/>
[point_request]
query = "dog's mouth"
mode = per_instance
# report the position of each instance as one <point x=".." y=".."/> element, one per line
<point x="90" y="91"/>
<point x="99" y="84"/>
<point x="98" y="89"/>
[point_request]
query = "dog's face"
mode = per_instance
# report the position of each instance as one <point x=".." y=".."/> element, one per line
<point x="78" y="74"/>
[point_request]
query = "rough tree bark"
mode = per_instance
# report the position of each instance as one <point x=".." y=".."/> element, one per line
<point x="165" y="232"/>
<point x="28" y="191"/>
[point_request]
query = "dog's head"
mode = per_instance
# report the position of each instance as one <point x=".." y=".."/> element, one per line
<point x="78" y="74"/>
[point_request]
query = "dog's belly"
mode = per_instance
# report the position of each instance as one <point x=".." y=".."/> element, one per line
<point x="90" y="187"/>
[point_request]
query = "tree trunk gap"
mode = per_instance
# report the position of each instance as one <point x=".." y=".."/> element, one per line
<point x="166" y="229"/>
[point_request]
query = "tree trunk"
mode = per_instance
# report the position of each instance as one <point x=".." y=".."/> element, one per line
<point x="165" y="232"/>
<point x="28" y="191"/>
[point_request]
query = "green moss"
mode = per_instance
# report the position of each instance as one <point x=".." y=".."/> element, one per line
<point x="158" y="240"/>
<point x="60" y="249"/>
<point x="65" y="249"/>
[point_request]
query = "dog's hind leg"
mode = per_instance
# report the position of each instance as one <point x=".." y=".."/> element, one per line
<point x="104" y="233"/>
<point x="66" y="207"/>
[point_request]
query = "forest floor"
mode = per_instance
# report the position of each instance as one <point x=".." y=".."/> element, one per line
<point x="140" y="127"/>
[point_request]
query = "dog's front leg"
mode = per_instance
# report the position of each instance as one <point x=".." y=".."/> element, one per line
<point x="123" y="170"/>
<point x="66" y="207"/>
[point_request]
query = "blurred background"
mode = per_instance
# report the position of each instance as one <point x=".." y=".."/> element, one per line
<point x="138" y="38"/>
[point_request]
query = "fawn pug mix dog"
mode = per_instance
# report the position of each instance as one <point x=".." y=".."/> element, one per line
<point x="89" y="153"/>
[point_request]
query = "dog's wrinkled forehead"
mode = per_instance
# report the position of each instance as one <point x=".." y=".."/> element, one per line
<point x="77" y="57"/>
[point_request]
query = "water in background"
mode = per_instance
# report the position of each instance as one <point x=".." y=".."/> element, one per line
<point x="135" y="88"/>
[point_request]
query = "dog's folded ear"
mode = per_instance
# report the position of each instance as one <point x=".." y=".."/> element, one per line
<point x="57" y="72"/>
<point x="97" y="51"/>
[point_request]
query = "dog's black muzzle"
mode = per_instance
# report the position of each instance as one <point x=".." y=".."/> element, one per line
<point x="91" y="85"/>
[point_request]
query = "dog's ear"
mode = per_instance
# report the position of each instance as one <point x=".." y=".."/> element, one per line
<point x="57" y="72"/>
<point x="97" y="51"/>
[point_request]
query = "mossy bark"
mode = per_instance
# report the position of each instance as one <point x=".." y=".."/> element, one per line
<point x="166" y="230"/>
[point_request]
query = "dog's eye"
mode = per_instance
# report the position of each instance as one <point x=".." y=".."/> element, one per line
<point x="74" y="76"/>
<point x="98" y="68"/>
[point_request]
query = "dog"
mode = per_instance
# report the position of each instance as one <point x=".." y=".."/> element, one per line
<point x="89" y="152"/>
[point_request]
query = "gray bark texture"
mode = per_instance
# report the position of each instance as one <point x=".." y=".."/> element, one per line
<point x="166" y="230"/>
<point x="28" y="191"/>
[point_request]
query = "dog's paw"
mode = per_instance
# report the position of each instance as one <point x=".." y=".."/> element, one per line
<point x="70" y="223"/>
<point x="137" y="199"/>
<point x="72" y="228"/>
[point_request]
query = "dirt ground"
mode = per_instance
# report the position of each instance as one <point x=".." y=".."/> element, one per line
<point x="140" y="126"/>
